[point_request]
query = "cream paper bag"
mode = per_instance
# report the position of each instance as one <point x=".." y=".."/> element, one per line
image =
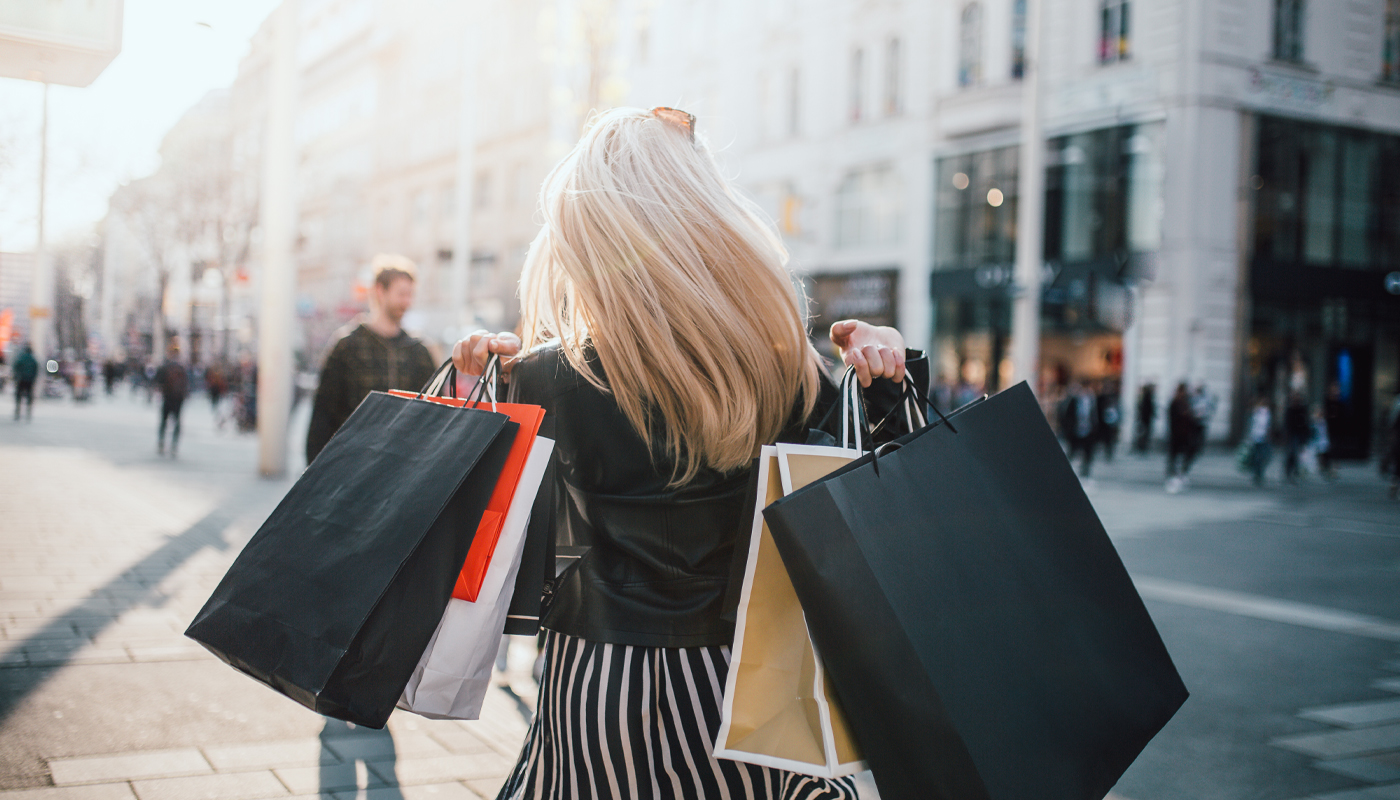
<point x="777" y="710"/>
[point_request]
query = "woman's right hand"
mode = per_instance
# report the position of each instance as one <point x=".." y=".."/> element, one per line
<point x="470" y="355"/>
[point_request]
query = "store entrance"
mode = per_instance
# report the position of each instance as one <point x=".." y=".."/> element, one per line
<point x="1348" y="400"/>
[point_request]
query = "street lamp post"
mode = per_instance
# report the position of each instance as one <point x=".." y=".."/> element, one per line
<point x="278" y="240"/>
<point x="1030" y="212"/>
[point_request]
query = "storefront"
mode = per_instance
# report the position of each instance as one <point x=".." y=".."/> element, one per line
<point x="1102" y="231"/>
<point x="1325" y="276"/>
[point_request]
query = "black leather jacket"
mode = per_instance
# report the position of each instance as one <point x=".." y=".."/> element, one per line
<point x="658" y="558"/>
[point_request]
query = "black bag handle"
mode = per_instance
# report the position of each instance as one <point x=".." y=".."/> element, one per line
<point x="488" y="378"/>
<point x="445" y="376"/>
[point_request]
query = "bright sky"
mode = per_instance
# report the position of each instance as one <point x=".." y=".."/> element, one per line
<point x="108" y="133"/>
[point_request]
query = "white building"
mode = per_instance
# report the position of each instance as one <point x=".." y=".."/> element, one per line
<point x="1216" y="205"/>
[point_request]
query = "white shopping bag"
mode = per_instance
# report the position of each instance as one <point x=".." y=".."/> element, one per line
<point x="454" y="674"/>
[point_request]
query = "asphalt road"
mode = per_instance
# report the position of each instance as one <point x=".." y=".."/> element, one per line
<point x="1272" y="602"/>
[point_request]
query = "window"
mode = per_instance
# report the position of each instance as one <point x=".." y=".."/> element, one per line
<point x="892" y="67"/>
<point x="1113" y="31"/>
<point x="1288" y="30"/>
<point x="868" y="207"/>
<point x="1390" y="57"/>
<point x="1319" y="200"/>
<point x="857" y="84"/>
<point x="1018" y="39"/>
<point x="447" y="204"/>
<point x="1103" y="194"/>
<point x="481" y="192"/>
<point x="794" y="108"/>
<point x="976" y="201"/>
<point x="421" y="201"/>
<point x="970" y="45"/>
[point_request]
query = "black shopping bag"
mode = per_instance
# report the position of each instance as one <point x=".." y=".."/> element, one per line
<point x="336" y="596"/>
<point x="981" y="632"/>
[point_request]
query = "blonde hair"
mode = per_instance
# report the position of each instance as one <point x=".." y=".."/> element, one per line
<point x="649" y="258"/>
<point x="388" y="266"/>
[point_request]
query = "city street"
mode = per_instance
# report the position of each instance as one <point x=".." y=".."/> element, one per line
<point x="1279" y="606"/>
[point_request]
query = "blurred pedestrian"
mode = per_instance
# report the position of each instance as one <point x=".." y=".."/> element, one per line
<point x="1319" y="449"/>
<point x="25" y="371"/>
<point x="172" y="380"/>
<point x="375" y="356"/>
<point x="1258" y="438"/>
<point x="1109" y="418"/>
<point x="1079" y="421"/>
<point x="216" y="384"/>
<point x="1146" y="415"/>
<point x="1181" y="439"/>
<point x="1203" y="405"/>
<point x="1390" y="461"/>
<point x="1297" y="431"/>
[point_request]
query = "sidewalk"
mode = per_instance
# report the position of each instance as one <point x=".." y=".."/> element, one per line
<point x="106" y="553"/>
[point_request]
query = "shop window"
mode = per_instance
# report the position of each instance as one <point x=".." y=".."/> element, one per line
<point x="1319" y="200"/>
<point x="970" y="45"/>
<point x="1114" y="19"/>
<point x="976" y="197"/>
<point x="868" y="206"/>
<point x="1288" y="29"/>
<point x="1018" y="39"/>
<point x="892" y="78"/>
<point x="1390" y="56"/>
<point x="1103" y="194"/>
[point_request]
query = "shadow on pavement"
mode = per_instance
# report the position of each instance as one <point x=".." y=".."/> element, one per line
<point x="354" y="745"/>
<point x="104" y="605"/>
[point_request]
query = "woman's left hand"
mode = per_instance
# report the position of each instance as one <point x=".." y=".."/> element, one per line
<point x="875" y="352"/>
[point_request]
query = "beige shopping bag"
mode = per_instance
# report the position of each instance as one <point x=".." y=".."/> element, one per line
<point x="777" y="710"/>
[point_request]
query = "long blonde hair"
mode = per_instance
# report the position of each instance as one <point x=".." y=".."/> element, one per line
<point x="649" y="258"/>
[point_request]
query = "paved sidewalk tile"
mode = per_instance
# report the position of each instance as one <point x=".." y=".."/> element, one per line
<point x="99" y="791"/>
<point x="435" y="791"/>
<point x="332" y="778"/>
<point x="1341" y="744"/>
<point x="1387" y="792"/>
<point x="373" y="748"/>
<point x="491" y="787"/>
<point x="128" y="766"/>
<point x="224" y="786"/>
<point x="1381" y="768"/>
<point x="266" y="755"/>
<point x="461" y="741"/>
<point x="1355" y="715"/>
<point x="407" y="772"/>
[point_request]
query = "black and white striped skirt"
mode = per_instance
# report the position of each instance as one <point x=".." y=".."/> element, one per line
<point x="617" y="721"/>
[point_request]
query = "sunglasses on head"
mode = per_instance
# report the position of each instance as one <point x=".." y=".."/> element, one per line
<point x="680" y="119"/>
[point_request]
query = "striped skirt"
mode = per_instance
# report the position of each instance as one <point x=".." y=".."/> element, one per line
<point x="617" y="721"/>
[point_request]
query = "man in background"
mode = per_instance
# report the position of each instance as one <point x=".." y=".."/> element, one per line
<point x="172" y="380"/>
<point x="373" y="356"/>
<point x="26" y="371"/>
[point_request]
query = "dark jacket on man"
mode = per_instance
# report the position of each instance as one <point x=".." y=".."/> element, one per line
<point x="360" y="363"/>
<point x="173" y="381"/>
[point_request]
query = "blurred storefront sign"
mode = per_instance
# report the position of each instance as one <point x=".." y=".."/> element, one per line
<point x="68" y="42"/>
<point x="867" y="294"/>
<point x="1289" y="91"/>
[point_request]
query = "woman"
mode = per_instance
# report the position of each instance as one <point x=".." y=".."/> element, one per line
<point x="666" y="342"/>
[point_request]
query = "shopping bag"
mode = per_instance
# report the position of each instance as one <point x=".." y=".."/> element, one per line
<point x="454" y="672"/>
<point x="975" y="620"/>
<point x="488" y="532"/>
<point x="336" y="596"/>
<point x="777" y="710"/>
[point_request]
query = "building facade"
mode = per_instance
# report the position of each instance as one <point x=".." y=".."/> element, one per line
<point x="1216" y="206"/>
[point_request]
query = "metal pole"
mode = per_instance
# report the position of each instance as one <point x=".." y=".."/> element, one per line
<point x="460" y="279"/>
<point x="274" y="400"/>
<point x="1030" y="213"/>
<point x="40" y="293"/>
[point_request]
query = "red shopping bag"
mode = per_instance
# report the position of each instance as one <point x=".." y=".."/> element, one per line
<point x="488" y="531"/>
